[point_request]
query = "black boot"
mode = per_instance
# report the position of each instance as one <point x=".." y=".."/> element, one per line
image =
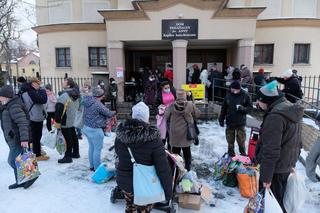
<point x="29" y="183"/>
<point x="65" y="160"/>
<point x="15" y="186"/>
<point x="75" y="155"/>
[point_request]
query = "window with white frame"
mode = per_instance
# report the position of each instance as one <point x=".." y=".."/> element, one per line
<point x="63" y="57"/>
<point x="263" y="54"/>
<point x="305" y="8"/>
<point x="97" y="56"/>
<point x="90" y="9"/>
<point x="60" y="11"/>
<point x="301" y="54"/>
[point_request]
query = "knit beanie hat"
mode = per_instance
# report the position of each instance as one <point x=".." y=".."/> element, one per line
<point x="181" y="94"/>
<point x="235" y="85"/>
<point x="6" y="91"/>
<point x="268" y="93"/>
<point x="287" y="74"/>
<point x="140" y="111"/>
<point x="97" y="92"/>
<point x="261" y="71"/>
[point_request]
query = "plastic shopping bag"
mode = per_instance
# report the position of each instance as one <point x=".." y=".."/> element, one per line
<point x="49" y="139"/>
<point x="103" y="174"/>
<point x="271" y="204"/>
<point x="255" y="204"/>
<point x="27" y="167"/>
<point x="296" y="193"/>
<point x="61" y="145"/>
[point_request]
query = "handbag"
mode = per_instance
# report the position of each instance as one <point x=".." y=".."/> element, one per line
<point x="147" y="188"/>
<point x="191" y="131"/>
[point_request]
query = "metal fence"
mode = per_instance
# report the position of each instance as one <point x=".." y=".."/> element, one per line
<point x="57" y="82"/>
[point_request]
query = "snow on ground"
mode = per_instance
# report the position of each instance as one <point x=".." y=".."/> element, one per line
<point x="67" y="188"/>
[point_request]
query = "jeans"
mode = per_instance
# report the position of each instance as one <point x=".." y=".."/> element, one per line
<point x="13" y="154"/>
<point x="36" y="134"/>
<point x="95" y="139"/>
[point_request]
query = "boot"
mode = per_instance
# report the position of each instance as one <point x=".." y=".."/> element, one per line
<point x="15" y="186"/>
<point x="65" y="160"/>
<point x="75" y="156"/>
<point x="29" y="183"/>
<point x="43" y="158"/>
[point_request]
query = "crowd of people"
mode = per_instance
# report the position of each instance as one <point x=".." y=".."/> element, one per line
<point x="23" y="115"/>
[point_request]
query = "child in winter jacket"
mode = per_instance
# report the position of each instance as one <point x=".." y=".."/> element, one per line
<point x="313" y="158"/>
<point x="50" y="106"/>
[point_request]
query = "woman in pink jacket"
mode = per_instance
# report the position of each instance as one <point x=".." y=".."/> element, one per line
<point x="50" y="106"/>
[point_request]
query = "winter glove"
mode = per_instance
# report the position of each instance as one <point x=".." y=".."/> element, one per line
<point x="241" y="109"/>
<point x="221" y="123"/>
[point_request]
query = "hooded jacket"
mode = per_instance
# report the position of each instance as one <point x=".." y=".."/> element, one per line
<point x="280" y="139"/>
<point x="95" y="113"/>
<point x="235" y="118"/>
<point x="69" y="98"/>
<point x="14" y="122"/>
<point x="35" y="101"/>
<point x="178" y="115"/>
<point x="147" y="149"/>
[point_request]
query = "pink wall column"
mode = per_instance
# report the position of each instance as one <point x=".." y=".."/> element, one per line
<point x="179" y="53"/>
<point x="116" y="59"/>
<point x="245" y="53"/>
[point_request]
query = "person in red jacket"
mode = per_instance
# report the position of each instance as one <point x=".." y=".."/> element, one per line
<point x="169" y="73"/>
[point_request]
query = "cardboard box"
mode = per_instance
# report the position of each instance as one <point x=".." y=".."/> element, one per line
<point x="190" y="201"/>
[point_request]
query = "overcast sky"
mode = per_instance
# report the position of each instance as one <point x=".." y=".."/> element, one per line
<point x="28" y="35"/>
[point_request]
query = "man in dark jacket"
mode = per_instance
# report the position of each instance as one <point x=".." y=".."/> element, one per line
<point x="15" y="127"/>
<point x="215" y="89"/>
<point x="236" y="105"/>
<point x="66" y="108"/>
<point x="292" y="86"/>
<point x="147" y="149"/>
<point x="35" y="99"/>
<point x="113" y="94"/>
<point x="280" y="139"/>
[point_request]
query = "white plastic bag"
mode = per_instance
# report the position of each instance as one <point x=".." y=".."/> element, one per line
<point x="296" y="193"/>
<point x="271" y="204"/>
<point x="49" y="139"/>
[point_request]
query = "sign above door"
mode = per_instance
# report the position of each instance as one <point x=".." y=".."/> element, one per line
<point x="179" y="29"/>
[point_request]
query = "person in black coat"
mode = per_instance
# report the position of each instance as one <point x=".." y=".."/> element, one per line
<point x="237" y="104"/>
<point x="147" y="149"/>
<point x="113" y="93"/>
<point x="292" y="88"/>
<point x="216" y="79"/>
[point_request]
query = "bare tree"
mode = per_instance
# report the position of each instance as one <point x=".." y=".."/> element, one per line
<point x="8" y="33"/>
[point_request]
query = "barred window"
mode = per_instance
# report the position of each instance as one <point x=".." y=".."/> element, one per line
<point x="301" y="53"/>
<point x="263" y="54"/>
<point x="63" y="58"/>
<point x="97" y="56"/>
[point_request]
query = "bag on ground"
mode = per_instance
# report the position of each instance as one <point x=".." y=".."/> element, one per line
<point x="255" y="204"/>
<point x="230" y="177"/>
<point x="147" y="188"/>
<point x="27" y="167"/>
<point x="103" y="174"/>
<point x="247" y="180"/>
<point x="296" y="193"/>
<point x="49" y="139"/>
<point x="271" y="204"/>
<point x="220" y="167"/>
<point x="61" y="145"/>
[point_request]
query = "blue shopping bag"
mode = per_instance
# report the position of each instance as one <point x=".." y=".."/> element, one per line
<point x="103" y="174"/>
<point x="147" y="188"/>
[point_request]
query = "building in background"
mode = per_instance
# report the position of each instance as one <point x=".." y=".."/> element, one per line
<point x="117" y="38"/>
<point x="27" y="66"/>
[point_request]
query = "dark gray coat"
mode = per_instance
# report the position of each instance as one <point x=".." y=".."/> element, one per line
<point x="14" y="122"/>
<point x="280" y="144"/>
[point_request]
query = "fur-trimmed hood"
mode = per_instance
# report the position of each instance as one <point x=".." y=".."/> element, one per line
<point x="137" y="132"/>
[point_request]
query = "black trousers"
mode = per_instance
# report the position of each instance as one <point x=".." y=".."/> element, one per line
<point x="186" y="155"/>
<point x="36" y="134"/>
<point x="71" y="138"/>
<point x="50" y="116"/>
<point x="113" y="104"/>
<point x="278" y="187"/>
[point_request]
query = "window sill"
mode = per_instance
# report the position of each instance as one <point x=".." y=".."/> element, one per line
<point x="302" y="65"/>
<point x="95" y="67"/>
<point x="257" y="65"/>
<point x="63" y="68"/>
